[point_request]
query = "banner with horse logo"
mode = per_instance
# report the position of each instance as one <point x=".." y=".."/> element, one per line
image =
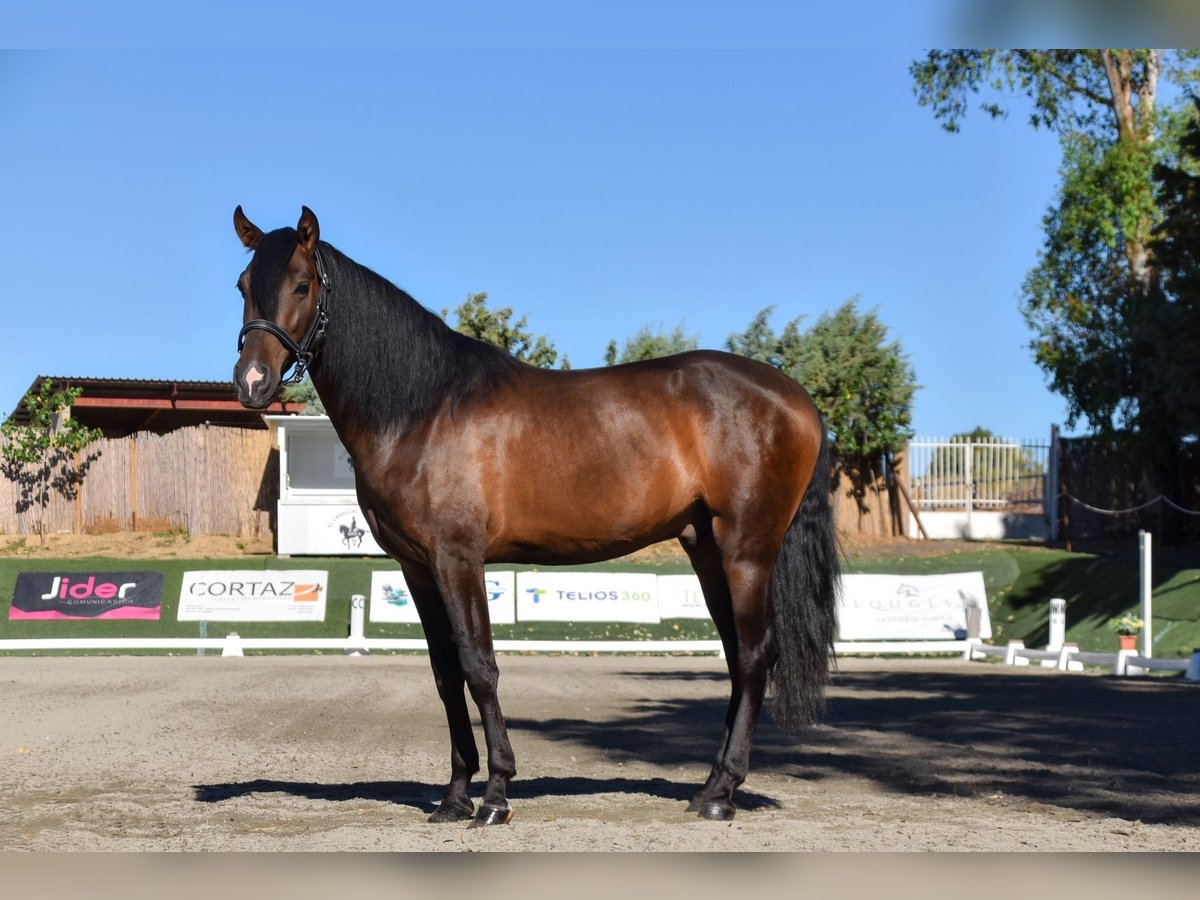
<point x="910" y="607"/>
<point x="391" y="600"/>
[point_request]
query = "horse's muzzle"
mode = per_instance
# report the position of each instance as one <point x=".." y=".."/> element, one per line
<point x="256" y="386"/>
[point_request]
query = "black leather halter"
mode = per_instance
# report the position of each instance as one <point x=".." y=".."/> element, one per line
<point x="302" y="352"/>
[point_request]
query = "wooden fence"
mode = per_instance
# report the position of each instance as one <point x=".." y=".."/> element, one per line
<point x="204" y="480"/>
<point x="871" y="506"/>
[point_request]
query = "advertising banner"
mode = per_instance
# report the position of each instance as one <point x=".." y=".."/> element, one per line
<point x="392" y="602"/>
<point x="587" y="597"/>
<point x="679" y="597"/>
<point x="87" y="595"/>
<point x="253" y="595"/>
<point x="910" y="607"/>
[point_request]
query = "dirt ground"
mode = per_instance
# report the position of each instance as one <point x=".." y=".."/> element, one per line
<point x="333" y="753"/>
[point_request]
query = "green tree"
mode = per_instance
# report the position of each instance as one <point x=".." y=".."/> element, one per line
<point x="861" y="382"/>
<point x="43" y="455"/>
<point x="759" y="340"/>
<point x="476" y="319"/>
<point x="647" y="343"/>
<point x="1092" y="299"/>
<point x="1176" y="253"/>
<point x="305" y="392"/>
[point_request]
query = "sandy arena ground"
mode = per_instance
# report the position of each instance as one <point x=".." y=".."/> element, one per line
<point x="330" y="753"/>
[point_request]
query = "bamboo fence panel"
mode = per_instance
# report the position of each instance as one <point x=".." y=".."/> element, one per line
<point x="205" y="480"/>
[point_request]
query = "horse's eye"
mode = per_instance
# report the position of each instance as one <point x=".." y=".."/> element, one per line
<point x="241" y="290"/>
<point x="302" y="288"/>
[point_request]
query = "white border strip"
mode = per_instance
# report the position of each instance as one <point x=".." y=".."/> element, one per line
<point x="503" y="646"/>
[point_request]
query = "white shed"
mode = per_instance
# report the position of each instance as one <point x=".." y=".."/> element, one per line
<point x="318" y="509"/>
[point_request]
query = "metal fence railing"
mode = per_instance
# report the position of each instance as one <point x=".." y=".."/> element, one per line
<point x="993" y="474"/>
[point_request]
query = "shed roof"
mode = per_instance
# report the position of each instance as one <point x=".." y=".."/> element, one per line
<point x="121" y="406"/>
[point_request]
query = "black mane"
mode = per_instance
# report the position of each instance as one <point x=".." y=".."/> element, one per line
<point x="396" y="362"/>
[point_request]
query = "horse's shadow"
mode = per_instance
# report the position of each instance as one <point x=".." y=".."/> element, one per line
<point x="424" y="797"/>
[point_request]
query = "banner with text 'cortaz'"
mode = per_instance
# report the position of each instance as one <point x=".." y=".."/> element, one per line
<point x="253" y="595"/>
<point x="910" y="607"/>
<point x="587" y="597"/>
<point x="391" y="600"/>
<point x="87" y="595"/>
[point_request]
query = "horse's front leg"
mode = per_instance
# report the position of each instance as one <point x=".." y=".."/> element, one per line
<point x="460" y="582"/>
<point x="456" y="805"/>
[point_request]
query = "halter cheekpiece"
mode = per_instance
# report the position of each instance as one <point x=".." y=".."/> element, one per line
<point x="303" y="351"/>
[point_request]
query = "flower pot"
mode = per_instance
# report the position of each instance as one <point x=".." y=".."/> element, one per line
<point x="1128" y="641"/>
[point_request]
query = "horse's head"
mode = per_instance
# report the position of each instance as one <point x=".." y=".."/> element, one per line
<point x="284" y="312"/>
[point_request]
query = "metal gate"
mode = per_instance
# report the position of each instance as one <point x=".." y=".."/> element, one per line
<point x="982" y="488"/>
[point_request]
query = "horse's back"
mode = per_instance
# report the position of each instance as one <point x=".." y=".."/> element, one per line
<point x="699" y="425"/>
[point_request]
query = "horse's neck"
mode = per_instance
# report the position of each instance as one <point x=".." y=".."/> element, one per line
<point x="387" y="364"/>
<point x="358" y="439"/>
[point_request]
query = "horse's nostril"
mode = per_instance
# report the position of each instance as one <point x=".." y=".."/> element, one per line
<point x="252" y="377"/>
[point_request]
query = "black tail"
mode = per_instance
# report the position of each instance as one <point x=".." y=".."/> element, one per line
<point x="803" y="600"/>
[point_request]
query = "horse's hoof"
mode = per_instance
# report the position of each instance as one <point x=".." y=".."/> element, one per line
<point x="716" y="810"/>
<point x="492" y="815"/>
<point x="448" y="812"/>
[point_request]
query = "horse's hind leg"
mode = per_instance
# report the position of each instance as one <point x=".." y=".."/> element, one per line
<point x="702" y="550"/>
<point x="736" y="590"/>
<point x="456" y="805"/>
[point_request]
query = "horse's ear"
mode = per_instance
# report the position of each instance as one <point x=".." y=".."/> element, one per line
<point x="250" y="233"/>
<point x="308" y="229"/>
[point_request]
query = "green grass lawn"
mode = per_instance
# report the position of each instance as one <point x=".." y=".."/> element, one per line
<point x="1020" y="582"/>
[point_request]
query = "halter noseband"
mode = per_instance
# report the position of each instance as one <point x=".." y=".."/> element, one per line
<point x="303" y="351"/>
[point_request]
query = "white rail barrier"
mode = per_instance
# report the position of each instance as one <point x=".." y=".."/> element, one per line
<point x="1123" y="662"/>
<point x="357" y="645"/>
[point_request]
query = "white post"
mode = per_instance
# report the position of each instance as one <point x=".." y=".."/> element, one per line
<point x="973" y="616"/>
<point x="1065" y="663"/>
<point x="1058" y="623"/>
<point x="969" y="475"/>
<point x="356" y="645"/>
<point x="1144" y="545"/>
<point x="1123" y="667"/>
<point x="233" y="645"/>
<point x="1193" y="669"/>
<point x="1011" y="658"/>
<point x="1058" y="630"/>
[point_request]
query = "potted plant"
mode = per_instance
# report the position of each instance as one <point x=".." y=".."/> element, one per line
<point x="1126" y="628"/>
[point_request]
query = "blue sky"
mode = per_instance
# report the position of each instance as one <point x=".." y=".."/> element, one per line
<point x="594" y="190"/>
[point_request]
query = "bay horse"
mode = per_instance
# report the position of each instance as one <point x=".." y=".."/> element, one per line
<point x="464" y="455"/>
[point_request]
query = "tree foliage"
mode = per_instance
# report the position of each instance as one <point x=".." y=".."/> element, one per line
<point x="43" y="455"/>
<point x="861" y="383"/>
<point x="1093" y="300"/>
<point x="476" y="319"/>
<point x="1176" y="253"/>
<point x="305" y="392"/>
<point x="647" y="343"/>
